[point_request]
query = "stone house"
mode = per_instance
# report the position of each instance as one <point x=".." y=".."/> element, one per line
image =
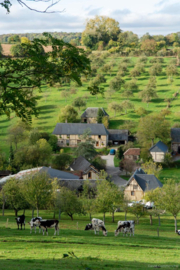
<point x="175" y="140"/>
<point x="69" y="134"/>
<point x="88" y="170"/>
<point x="90" y="115"/>
<point x="139" y="183"/>
<point x="158" y="151"/>
<point x="132" y="154"/>
<point x="118" y="136"/>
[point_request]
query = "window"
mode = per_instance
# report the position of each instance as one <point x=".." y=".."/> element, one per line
<point x="99" y="136"/>
<point x="135" y="186"/>
<point x="132" y="193"/>
<point x="68" y="136"/>
<point x="89" y="175"/>
<point x="78" y="141"/>
<point x="61" y="142"/>
<point x="67" y="142"/>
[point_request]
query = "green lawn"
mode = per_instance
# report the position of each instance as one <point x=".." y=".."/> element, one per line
<point x="51" y="102"/>
<point x="22" y="250"/>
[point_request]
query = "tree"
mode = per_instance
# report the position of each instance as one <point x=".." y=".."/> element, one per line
<point x="140" y="67"/>
<point x="141" y="111"/>
<point x="65" y="94"/>
<point x="134" y="72"/>
<point x="100" y="78"/>
<point x="127" y="105"/>
<point x="13" y="192"/>
<point x="7" y="4"/>
<point x="128" y="165"/>
<point x="148" y="45"/>
<point x="86" y="147"/>
<point x="16" y="134"/>
<point x="99" y="163"/>
<point x="34" y="136"/>
<point x="53" y="141"/>
<point x="115" y="83"/>
<point x="155" y="70"/>
<point x="100" y="115"/>
<point x="153" y="127"/>
<point x="114" y="106"/>
<point x="62" y="161"/>
<point x="101" y="28"/>
<point x="131" y="85"/>
<point x="94" y="89"/>
<point x="68" y="115"/>
<point x="148" y="94"/>
<point x="79" y="102"/>
<point x="171" y="70"/>
<point x="137" y="210"/>
<point x="1" y="50"/>
<point x="151" y="167"/>
<point x="18" y="77"/>
<point x="88" y="198"/>
<point x="38" y="189"/>
<point x="108" y="197"/>
<point x="105" y="121"/>
<point x="168" y="197"/>
<point x="18" y="50"/>
<point x="69" y="203"/>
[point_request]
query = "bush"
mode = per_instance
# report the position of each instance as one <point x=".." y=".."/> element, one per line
<point x="119" y="153"/>
<point x="99" y="163"/>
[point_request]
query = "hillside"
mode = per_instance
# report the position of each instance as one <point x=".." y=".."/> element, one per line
<point x="50" y="100"/>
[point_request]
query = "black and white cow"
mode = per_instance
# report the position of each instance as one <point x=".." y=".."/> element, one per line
<point x="48" y="223"/>
<point x="96" y="225"/>
<point x="33" y="224"/>
<point x="178" y="232"/>
<point x="126" y="227"/>
<point x="20" y="221"/>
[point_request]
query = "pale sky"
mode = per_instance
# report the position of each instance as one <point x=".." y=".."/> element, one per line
<point x="139" y="16"/>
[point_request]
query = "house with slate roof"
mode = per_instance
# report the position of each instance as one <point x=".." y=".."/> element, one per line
<point x="132" y="153"/>
<point x="88" y="170"/>
<point x="175" y="140"/>
<point x="90" y="115"/>
<point x="118" y="136"/>
<point x="139" y="183"/>
<point x="69" y="134"/>
<point x="158" y="151"/>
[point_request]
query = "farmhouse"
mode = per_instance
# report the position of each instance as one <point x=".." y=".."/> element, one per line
<point x="158" y="151"/>
<point x="69" y="134"/>
<point x="91" y="113"/>
<point x="139" y="183"/>
<point x="132" y="154"/>
<point x="175" y="140"/>
<point x="81" y="164"/>
<point x="118" y="136"/>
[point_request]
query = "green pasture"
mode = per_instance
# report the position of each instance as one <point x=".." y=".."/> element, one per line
<point x="22" y="250"/>
<point x="50" y="101"/>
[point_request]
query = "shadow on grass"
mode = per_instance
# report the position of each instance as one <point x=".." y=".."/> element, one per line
<point x="113" y="124"/>
<point x="47" y="107"/>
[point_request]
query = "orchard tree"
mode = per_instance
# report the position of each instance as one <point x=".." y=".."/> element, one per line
<point x="137" y="210"/>
<point x="155" y="70"/>
<point x="153" y="127"/>
<point x="151" y="167"/>
<point x="116" y="107"/>
<point x="79" y="102"/>
<point x="17" y="134"/>
<point x="149" y="46"/>
<point x="134" y="72"/>
<point x="95" y="89"/>
<point x="116" y="83"/>
<point x="19" y="77"/>
<point x="88" y="198"/>
<point x="148" y="94"/>
<point x="65" y="94"/>
<point x="171" y="70"/>
<point x="100" y="115"/>
<point x="62" y="161"/>
<point x="67" y="115"/>
<point x="131" y="85"/>
<point x="127" y="105"/>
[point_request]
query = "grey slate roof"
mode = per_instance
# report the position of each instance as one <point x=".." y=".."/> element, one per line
<point x="53" y="173"/>
<point x="175" y="135"/>
<point x="80" y="164"/>
<point x="159" y="147"/>
<point x="145" y="181"/>
<point x="79" y="128"/>
<point x="92" y="112"/>
<point x="118" y="134"/>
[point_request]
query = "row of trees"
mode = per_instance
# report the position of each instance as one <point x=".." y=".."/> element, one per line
<point x="37" y="191"/>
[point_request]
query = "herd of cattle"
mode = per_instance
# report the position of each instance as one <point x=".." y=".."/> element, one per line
<point x="123" y="226"/>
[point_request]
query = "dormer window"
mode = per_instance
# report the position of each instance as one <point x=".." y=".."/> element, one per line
<point x="99" y="136"/>
<point x="68" y="136"/>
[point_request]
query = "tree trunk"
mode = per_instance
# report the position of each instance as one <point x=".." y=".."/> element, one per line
<point x="59" y="213"/>
<point x="151" y="222"/>
<point x="90" y="216"/>
<point x="54" y="214"/>
<point x="159" y="220"/>
<point x="16" y="212"/>
<point x="137" y="220"/>
<point x="37" y="212"/>
<point x="24" y="211"/>
<point x="71" y="216"/>
<point x="125" y="215"/>
<point x="113" y="216"/>
<point x="175" y="223"/>
<point x="32" y="212"/>
<point x="104" y="217"/>
<point x="3" y="206"/>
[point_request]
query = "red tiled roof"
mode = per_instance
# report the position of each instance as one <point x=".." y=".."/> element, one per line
<point x="133" y="152"/>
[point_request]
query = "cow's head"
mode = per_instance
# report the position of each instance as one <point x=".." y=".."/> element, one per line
<point x="116" y="232"/>
<point x="88" y="227"/>
<point x="105" y="233"/>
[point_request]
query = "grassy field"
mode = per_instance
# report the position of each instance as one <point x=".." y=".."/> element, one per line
<point x="22" y="250"/>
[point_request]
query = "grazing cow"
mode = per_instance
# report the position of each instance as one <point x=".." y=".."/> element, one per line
<point x="125" y="227"/>
<point x="20" y="221"/>
<point x="96" y="225"/>
<point x="33" y="224"/>
<point x="178" y="232"/>
<point x="48" y="223"/>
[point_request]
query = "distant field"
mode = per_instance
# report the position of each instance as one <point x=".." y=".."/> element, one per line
<point x="20" y="250"/>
